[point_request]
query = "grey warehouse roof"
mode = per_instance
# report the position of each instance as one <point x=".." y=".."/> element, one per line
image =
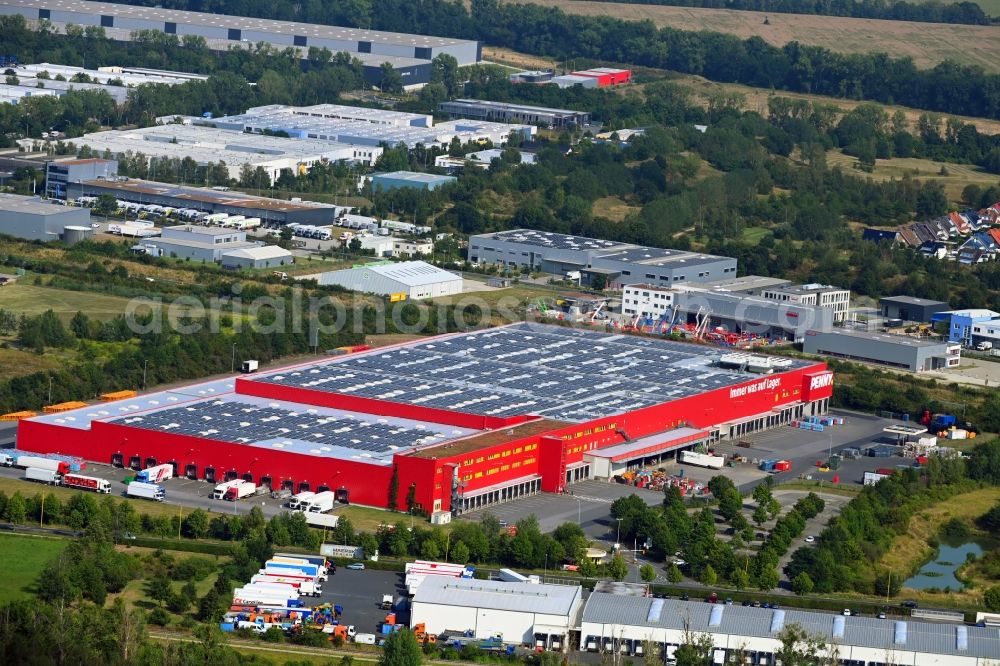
<point x="935" y="638"/>
<point x="237" y="22"/>
<point x="498" y="595"/>
<point x="885" y="338"/>
<point x="33" y="205"/>
<point x="560" y="373"/>
<point x="910" y="300"/>
<point x="412" y="273"/>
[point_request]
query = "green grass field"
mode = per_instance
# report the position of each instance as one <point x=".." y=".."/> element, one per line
<point x="29" y="489"/>
<point x="23" y="298"/>
<point x="24" y="557"/>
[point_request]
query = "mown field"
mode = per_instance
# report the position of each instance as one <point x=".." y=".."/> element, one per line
<point x="927" y="43"/>
<point x="23" y="559"/>
<point x="23" y="298"/>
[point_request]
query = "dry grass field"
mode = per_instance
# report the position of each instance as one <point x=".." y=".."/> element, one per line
<point x="927" y="43"/>
<point x="701" y="88"/>
<point x="958" y="176"/>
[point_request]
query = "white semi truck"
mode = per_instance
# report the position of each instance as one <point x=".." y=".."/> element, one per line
<point x="145" y="490"/>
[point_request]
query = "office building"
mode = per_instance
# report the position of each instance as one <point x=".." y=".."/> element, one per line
<point x="195" y="243"/>
<point x="820" y="295"/>
<point x="61" y="172"/>
<point x="961" y="322"/>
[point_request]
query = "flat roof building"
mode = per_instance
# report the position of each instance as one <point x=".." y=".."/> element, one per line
<point x="208" y="145"/>
<point x="505" y="112"/>
<point x="748" y="284"/>
<point x="31" y="218"/>
<point x="836" y="299"/>
<point x="266" y="256"/>
<point x="961" y="322"/>
<point x="61" y="172"/>
<point x="195" y="243"/>
<point x="910" y="308"/>
<point x="620" y="263"/>
<point x="470" y="419"/>
<point x="364" y="127"/>
<point x="661" y="308"/>
<point x="897" y="351"/>
<point x="403" y="280"/>
<point x="128" y="76"/>
<point x="613" y="623"/>
<point x="208" y="200"/>
<point x="520" y="612"/>
<point x="238" y="29"/>
<point x="383" y="182"/>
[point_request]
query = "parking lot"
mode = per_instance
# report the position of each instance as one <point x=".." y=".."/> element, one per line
<point x="360" y="593"/>
<point x="588" y="502"/>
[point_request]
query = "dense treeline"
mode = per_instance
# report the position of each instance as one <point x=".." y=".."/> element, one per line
<point x="280" y="77"/>
<point x="948" y="87"/>
<point x="894" y="10"/>
<point x="848" y="550"/>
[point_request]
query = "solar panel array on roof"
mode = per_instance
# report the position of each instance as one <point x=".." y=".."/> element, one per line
<point x="560" y="373"/>
<point x="307" y="431"/>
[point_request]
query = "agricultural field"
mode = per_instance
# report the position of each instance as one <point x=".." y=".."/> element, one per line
<point x="957" y="176"/>
<point x="24" y="557"/>
<point x="926" y="43"/>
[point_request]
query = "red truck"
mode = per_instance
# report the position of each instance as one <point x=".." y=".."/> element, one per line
<point x="87" y="483"/>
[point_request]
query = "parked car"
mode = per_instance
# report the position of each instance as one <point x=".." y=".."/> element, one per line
<point x="356" y="566"/>
<point x="810" y="539"/>
<point x="847" y="612"/>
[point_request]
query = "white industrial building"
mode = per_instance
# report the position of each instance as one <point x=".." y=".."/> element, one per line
<point x="818" y="295"/>
<point x="635" y="625"/>
<point x="406" y="279"/>
<point x="520" y="612"/>
<point x="208" y="145"/>
<point x="266" y="256"/>
<point x="195" y="243"/>
<point x="391" y="246"/>
<point x="364" y="127"/>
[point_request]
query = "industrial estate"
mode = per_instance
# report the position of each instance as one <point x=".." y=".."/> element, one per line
<point x="408" y="332"/>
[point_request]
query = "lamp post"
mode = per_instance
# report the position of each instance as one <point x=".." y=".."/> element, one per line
<point x="145" y="363"/>
<point x="233" y="365"/>
<point x="618" y="536"/>
<point x="578" y="510"/>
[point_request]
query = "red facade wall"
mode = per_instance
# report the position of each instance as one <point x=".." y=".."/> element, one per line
<point x="545" y="454"/>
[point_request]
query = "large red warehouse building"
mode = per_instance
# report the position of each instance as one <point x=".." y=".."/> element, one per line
<point x="466" y="419"/>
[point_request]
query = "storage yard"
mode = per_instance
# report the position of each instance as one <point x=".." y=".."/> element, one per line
<point x="467" y="420"/>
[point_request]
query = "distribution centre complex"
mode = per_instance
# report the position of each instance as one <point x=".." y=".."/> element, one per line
<point x="464" y="420"/>
<point x="634" y="625"/>
<point x="410" y="55"/>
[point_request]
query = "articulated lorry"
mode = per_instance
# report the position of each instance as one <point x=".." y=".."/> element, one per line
<point x="269" y="598"/>
<point x="157" y="474"/>
<point x="145" y="490"/>
<point x="42" y="476"/>
<point x="87" y="483"/>
<point x="36" y="462"/>
<point x="234" y="490"/>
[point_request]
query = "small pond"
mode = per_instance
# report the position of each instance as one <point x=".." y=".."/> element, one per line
<point x="940" y="571"/>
